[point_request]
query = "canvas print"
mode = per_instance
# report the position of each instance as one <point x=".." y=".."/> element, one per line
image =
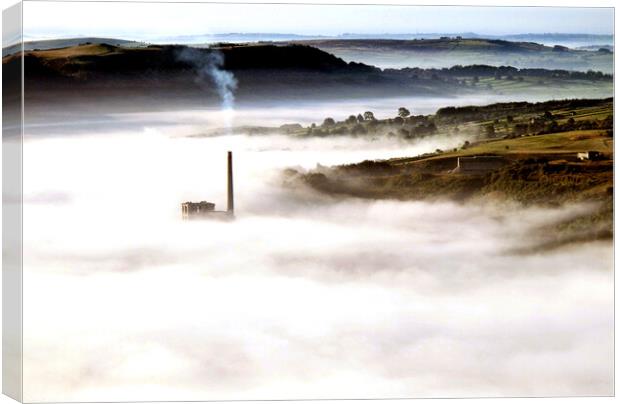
<point x="227" y="201"/>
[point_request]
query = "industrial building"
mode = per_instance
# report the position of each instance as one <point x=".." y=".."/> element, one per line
<point x="589" y="155"/>
<point x="206" y="210"/>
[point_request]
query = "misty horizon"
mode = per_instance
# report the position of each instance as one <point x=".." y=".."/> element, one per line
<point x="345" y="35"/>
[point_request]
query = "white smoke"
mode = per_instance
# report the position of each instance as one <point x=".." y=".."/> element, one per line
<point x="209" y="66"/>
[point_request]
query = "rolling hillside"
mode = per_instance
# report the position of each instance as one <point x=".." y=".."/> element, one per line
<point x="447" y="52"/>
<point x="69" y="42"/>
<point x="268" y="72"/>
<point x="540" y="166"/>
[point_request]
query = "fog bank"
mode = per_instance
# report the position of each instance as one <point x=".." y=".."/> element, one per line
<point x="302" y="296"/>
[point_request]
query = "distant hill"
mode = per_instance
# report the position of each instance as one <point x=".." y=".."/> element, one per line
<point x="63" y="43"/>
<point x="439" y="44"/>
<point x="549" y="51"/>
<point x="550" y="39"/>
<point x="598" y="48"/>
<point x="102" y="61"/>
<point x="450" y="51"/>
<point x="570" y="40"/>
<point x="269" y="72"/>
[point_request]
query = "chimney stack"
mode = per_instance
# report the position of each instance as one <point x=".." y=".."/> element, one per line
<point x="231" y="197"/>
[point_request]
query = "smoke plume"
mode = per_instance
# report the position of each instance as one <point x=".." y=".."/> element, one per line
<point x="209" y="66"/>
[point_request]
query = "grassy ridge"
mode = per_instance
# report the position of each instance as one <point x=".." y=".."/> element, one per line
<point x="274" y="72"/>
<point x="465" y="51"/>
<point x="539" y="169"/>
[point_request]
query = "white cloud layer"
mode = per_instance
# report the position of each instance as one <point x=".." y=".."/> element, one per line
<point x="301" y="296"/>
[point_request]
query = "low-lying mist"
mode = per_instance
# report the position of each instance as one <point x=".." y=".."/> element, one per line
<point x="399" y="59"/>
<point x="105" y="117"/>
<point x="302" y="296"/>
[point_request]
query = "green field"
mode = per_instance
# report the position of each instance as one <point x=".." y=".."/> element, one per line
<point x="556" y="143"/>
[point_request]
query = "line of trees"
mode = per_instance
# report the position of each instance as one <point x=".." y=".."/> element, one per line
<point x="498" y="72"/>
<point x="404" y="124"/>
<point x="450" y="115"/>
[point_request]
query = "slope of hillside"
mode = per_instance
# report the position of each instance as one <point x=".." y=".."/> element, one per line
<point x="546" y="169"/>
<point x="269" y="72"/>
<point x="543" y="137"/>
<point x="64" y="43"/>
<point x="542" y="154"/>
<point x="543" y="169"/>
<point x="448" y="52"/>
<point x="433" y="45"/>
<point x="90" y="60"/>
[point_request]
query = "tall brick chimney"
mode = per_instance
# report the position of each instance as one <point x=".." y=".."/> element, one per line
<point x="231" y="196"/>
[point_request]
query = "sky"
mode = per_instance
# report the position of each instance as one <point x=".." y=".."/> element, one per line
<point x="151" y="21"/>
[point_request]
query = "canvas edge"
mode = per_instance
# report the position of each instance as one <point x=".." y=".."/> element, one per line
<point x="12" y="263"/>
